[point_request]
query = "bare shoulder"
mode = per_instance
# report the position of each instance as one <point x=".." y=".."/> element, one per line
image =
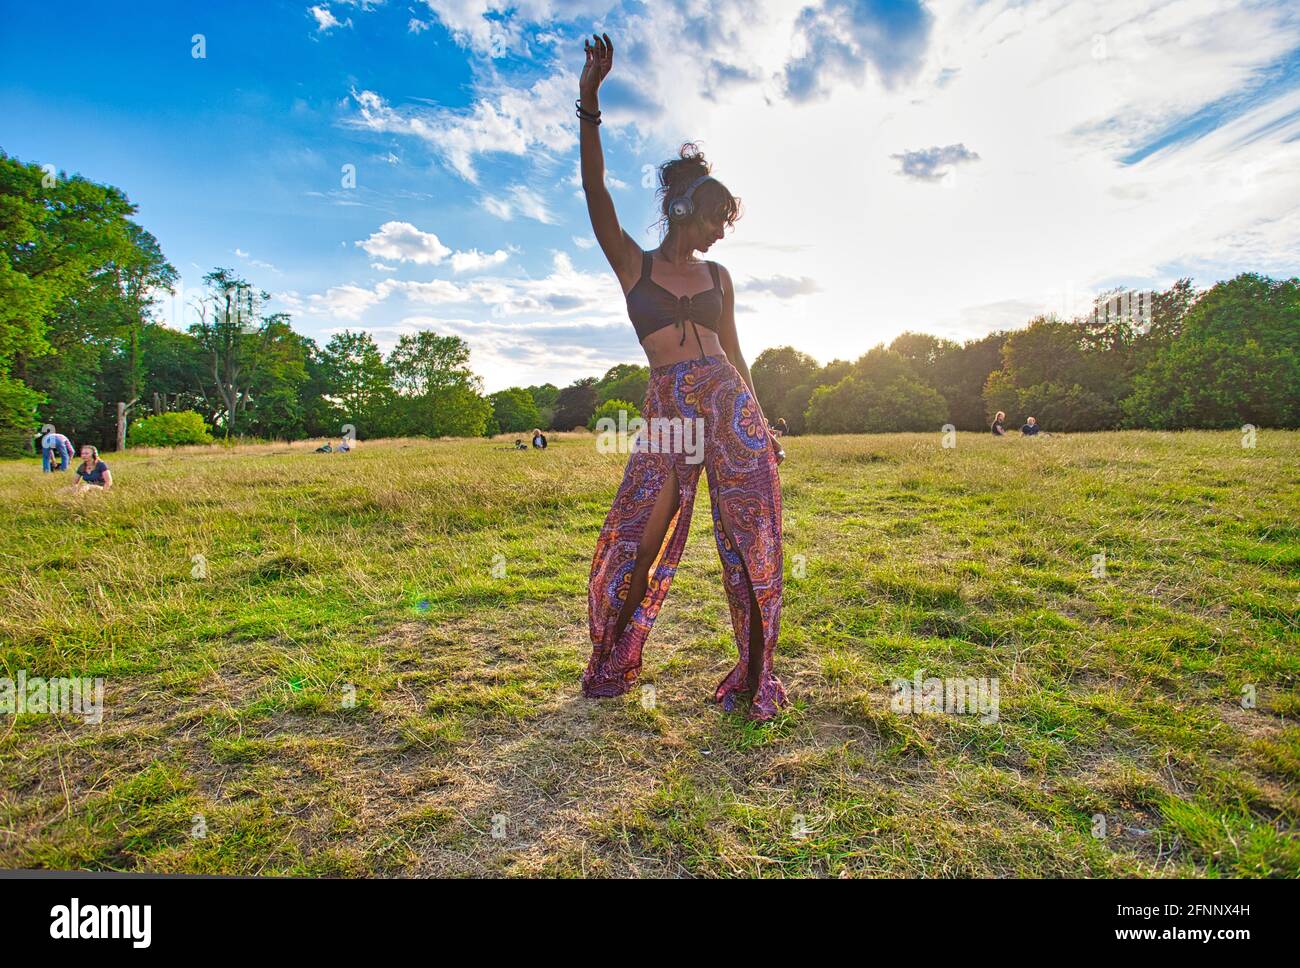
<point x="725" y="277"/>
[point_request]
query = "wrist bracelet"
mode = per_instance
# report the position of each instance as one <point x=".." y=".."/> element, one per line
<point x="589" y="119"/>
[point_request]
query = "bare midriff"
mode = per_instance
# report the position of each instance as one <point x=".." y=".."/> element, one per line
<point x="664" y="346"/>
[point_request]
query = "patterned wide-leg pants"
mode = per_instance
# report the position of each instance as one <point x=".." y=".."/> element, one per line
<point x="693" y="409"/>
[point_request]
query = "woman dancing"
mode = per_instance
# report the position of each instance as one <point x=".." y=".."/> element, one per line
<point x="645" y="531"/>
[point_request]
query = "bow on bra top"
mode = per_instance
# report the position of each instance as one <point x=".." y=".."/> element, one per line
<point x="651" y="307"/>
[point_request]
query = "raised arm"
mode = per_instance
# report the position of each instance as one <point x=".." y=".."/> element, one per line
<point x="620" y="249"/>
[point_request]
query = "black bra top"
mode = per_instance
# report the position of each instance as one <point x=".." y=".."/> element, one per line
<point x="651" y="307"/>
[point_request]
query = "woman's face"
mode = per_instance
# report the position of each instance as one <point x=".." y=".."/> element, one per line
<point x="87" y="453"/>
<point x="709" y="229"/>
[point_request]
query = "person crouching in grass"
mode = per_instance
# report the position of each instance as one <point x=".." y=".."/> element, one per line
<point x="92" y="473"/>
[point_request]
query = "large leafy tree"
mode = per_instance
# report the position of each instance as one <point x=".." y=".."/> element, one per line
<point x="440" y="396"/>
<point x="234" y="337"/>
<point x="131" y="283"/>
<point x="278" y="408"/>
<point x="784" y="379"/>
<point x="513" y="411"/>
<point x="97" y="333"/>
<point x="545" y="395"/>
<point x="799" y="398"/>
<point x="881" y="393"/>
<point x="173" y="371"/>
<point x="575" y="404"/>
<point x="359" y="384"/>
<point x="75" y="277"/>
<point x="960" y="374"/>
<point x="1235" y="360"/>
<point x="1071" y="376"/>
<point x="626" y="381"/>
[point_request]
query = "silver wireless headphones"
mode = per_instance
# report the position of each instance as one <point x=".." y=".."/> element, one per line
<point x="682" y="207"/>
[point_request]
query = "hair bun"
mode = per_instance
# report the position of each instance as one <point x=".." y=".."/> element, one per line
<point x="685" y="168"/>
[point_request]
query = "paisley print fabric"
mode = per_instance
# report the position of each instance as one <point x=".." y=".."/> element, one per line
<point x="743" y="487"/>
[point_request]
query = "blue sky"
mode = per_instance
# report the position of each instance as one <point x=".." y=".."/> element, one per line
<point x="947" y="166"/>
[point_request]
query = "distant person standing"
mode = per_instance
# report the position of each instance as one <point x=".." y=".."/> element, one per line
<point x="1031" y="428"/>
<point x="781" y="428"/>
<point x="55" y="443"/>
<point x="999" y="427"/>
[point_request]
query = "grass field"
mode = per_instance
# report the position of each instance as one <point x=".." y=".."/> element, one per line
<point x="443" y="585"/>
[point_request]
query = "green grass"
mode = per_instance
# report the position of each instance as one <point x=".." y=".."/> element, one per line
<point x="378" y="672"/>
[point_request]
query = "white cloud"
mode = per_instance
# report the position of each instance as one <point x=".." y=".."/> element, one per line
<point x="565" y="293"/>
<point x="430" y="293"/>
<point x="523" y="201"/>
<point x="503" y="119"/>
<point x="325" y="19"/>
<point x="468" y="22"/>
<point x="403" y="242"/>
<point x="474" y="259"/>
<point x="498" y="207"/>
<point x="342" y="302"/>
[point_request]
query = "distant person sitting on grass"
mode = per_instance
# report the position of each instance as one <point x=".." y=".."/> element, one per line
<point x="539" y="439"/>
<point x="55" y="443"/>
<point x="999" y="429"/>
<point x="1031" y="428"/>
<point x="343" y="446"/>
<point x="781" y="428"/>
<point x="325" y="448"/>
<point x="520" y="445"/>
<point x="92" y="473"/>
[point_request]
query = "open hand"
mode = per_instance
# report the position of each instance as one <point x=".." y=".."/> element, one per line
<point x="600" y="59"/>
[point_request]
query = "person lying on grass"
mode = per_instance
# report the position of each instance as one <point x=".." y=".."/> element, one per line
<point x="92" y="473"/>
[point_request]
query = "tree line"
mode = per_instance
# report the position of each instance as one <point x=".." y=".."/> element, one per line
<point x="81" y="349"/>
